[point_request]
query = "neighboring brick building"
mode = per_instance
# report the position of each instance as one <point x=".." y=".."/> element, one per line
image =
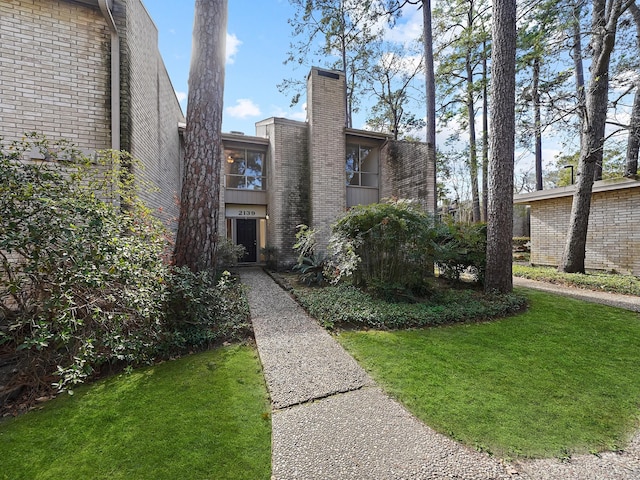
<point x="89" y="71"/>
<point x="294" y="173"/>
<point x="613" y="239"/>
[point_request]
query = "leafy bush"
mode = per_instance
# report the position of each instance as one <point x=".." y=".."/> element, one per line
<point x="347" y="306"/>
<point x="461" y="248"/>
<point x="312" y="265"/>
<point x="81" y="280"/>
<point x="388" y="247"/>
<point x="203" y="311"/>
<point x="521" y="244"/>
<point x="84" y="277"/>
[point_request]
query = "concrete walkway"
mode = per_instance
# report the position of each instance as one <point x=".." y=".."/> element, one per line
<point x="628" y="302"/>
<point x="331" y="421"/>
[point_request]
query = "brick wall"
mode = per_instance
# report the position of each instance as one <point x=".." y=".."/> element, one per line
<point x="326" y="112"/>
<point x="150" y="111"/>
<point x="404" y="172"/>
<point x="54" y="72"/>
<point x="287" y="184"/>
<point x="613" y="240"/>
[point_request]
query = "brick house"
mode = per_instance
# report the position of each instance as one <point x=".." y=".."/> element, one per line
<point x="613" y="237"/>
<point x="89" y="71"/>
<point x="293" y="173"/>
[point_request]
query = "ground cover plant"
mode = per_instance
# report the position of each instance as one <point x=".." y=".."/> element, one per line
<point x="202" y="416"/>
<point x="347" y="306"/>
<point x="607" y="282"/>
<point x="558" y="379"/>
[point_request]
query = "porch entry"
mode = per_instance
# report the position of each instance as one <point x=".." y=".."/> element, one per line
<point x="247" y="226"/>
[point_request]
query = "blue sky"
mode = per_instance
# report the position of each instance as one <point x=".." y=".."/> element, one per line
<point x="257" y="45"/>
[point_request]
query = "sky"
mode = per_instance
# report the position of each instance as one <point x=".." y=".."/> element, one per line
<point x="258" y="39"/>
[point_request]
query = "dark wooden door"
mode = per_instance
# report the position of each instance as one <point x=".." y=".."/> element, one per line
<point x="247" y="235"/>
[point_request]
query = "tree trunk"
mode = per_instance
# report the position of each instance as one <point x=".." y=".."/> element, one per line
<point x="633" y="142"/>
<point x="604" y="23"/>
<point x="485" y="131"/>
<point x="577" y="60"/>
<point x="196" y="239"/>
<point x="502" y="148"/>
<point x="536" y="121"/>
<point x="473" y="151"/>
<point x="430" y="82"/>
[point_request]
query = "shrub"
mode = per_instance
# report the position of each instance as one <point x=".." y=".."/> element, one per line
<point x="84" y="277"/>
<point x="461" y="248"/>
<point x="81" y="279"/>
<point x="388" y="247"/>
<point x="312" y="265"/>
<point x="203" y="310"/>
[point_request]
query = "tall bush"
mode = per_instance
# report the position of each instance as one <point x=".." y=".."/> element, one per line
<point x="461" y="248"/>
<point x="82" y="276"/>
<point x="389" y="247"/>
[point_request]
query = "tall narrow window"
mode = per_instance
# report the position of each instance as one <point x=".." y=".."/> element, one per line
<point x="362" y="167"/>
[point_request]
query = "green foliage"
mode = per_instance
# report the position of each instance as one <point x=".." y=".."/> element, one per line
<point x="202" y="311"/>
<point x="461" y="248"/>
<point x="385" y="246"/>
<point x="84" y="277"/>
<point x="82" y="280"/>
<point x="346" y="305"/>
<point x="312" y="265"/>
<point x="228" y="253"/>
<point x="606" y="282"/>
<point x="201" y="416"/>
<point x="561" y="378"/>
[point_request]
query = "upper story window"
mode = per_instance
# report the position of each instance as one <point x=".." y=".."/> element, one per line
<point x="245" y="169"/>
<point x="362" y="165"/>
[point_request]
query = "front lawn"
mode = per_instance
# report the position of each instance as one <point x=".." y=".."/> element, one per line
<point x="559" y="379"/>
<point x="204" y="416"/>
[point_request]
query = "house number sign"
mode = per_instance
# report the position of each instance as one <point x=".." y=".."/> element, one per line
<point x="246" y="211"/>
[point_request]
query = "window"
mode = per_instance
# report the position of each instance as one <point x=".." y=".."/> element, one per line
<point x="362" y="166"/>
<point x="245" y="169"/>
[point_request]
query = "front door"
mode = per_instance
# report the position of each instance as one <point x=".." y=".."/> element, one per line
<point x="247" y="235"/>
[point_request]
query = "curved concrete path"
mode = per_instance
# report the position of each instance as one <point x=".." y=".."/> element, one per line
<point x="331" y="421"/>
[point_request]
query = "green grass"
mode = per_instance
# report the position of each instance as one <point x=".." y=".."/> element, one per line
<point x="560" y="379"/>
<point x="204" y="416"/>
<point x="606" y="282"/>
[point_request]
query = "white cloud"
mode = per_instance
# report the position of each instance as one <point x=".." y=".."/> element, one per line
<point x="232" y="47"/>
<point x="244" y="108"/>
<point x="299" y="114"/>
<point x="408" y="28"/>
<point x="182" y="96"/>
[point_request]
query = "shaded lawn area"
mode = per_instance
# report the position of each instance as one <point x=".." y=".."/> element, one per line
<point x="204" y="416"/>
<point x="559" y="379"/>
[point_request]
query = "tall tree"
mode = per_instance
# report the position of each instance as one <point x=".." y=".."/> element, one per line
<point x="462" y="50"/>
<point x="392" y="82"/>
<point x="502" y="147"/>
<point x="430" y="83"/>
<point x="336" y="34"/>
<point x="604" y="22"/>
<point x="633" y="142"/>
<point x="196" y="239"/>
<point x="393" y="8"/>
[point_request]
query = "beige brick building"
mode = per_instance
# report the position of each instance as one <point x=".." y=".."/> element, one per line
<point x="613" y="238"/>
<point x="89" y="71"/>
<point x="293" y="173"/>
